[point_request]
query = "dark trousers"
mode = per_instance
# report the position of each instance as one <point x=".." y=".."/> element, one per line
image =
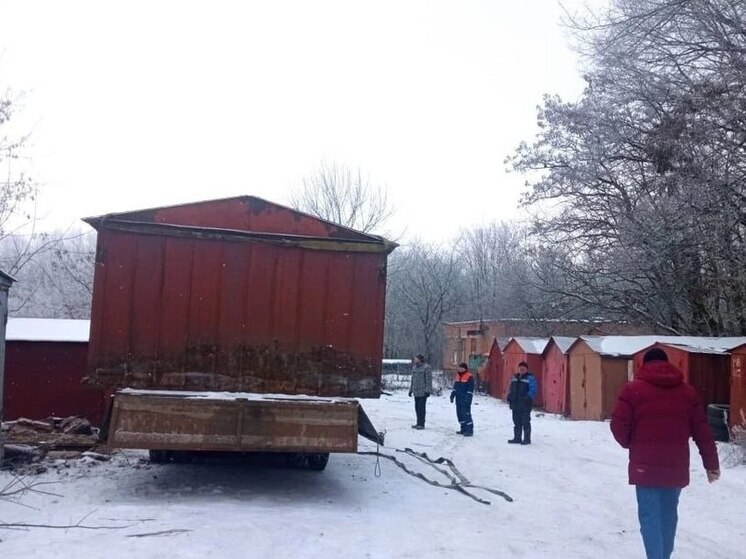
<point x="657" y="511"/>
<point x="463" y="413"/>
<point x="419" y="409"/>
<point x="522" y="425"/>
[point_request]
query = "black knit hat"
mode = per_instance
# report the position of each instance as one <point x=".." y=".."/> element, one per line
<point x="655" y="354"/>
<point x="463" y="366"/>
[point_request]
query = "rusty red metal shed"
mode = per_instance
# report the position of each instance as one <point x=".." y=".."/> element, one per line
<point x="523" y="349"/>
<point x="238" y="294"/>
<point x="556" y="385"/>
<point x="45" y="363"/>
<point x="706" y="368"/>
<point x="493" y="368"/>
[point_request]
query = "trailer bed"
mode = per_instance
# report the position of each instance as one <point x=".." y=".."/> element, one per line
<point x="233" y="421"/>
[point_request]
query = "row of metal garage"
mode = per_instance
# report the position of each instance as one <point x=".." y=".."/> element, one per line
<point x="581" y="377"/>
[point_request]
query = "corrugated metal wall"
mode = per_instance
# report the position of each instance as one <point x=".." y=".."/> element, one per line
<point x="43" y="379"/>
<point x="205" y="314"/>
<point x="555" y="377"/>
<point x="493" y="369"/>
<point x="737" y="416"/>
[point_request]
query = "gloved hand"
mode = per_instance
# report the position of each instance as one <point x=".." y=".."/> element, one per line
<point x="453" y="396"/>
<point x="410" y="393"/>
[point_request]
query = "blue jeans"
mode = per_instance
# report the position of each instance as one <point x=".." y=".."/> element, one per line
<point x="657" y="511"/>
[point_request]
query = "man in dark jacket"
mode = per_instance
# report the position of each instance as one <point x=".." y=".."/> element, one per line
<point x="654" y="417"/>
<point x="463" y="392"/>
<point x="521" y="399"/>
<point x="421" y="386"/>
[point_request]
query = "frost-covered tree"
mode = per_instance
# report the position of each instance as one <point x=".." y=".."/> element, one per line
<point x="57" y="279"/>
<point x="639" y="187"/>
<point x="424" y="289"/>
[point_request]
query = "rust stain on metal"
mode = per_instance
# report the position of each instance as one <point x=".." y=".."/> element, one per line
<point x="321" y="372"/>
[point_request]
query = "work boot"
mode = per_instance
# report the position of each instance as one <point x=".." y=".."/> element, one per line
<point x="468" y="434"/>
<point x="527" y="441"/>
<point x="419" y="427"/>
<point x="515" y="441"/>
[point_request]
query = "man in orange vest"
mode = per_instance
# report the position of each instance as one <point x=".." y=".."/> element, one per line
<point x="462" y="393"/>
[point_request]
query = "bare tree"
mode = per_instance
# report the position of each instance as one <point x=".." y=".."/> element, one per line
<point x="56" y="278"/>
<point x="344" y="196"/>
<point x="491" y="257"/>
<point x="424" y="290"/>
<point x="17" y="192"/>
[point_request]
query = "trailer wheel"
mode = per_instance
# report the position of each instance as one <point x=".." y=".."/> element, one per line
<point x="159" y="456"/>
<point x="303" y="461"/>
<point x="317" y="462"/>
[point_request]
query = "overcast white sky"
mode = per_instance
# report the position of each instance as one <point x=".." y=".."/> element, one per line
<point x="143" y="104"/>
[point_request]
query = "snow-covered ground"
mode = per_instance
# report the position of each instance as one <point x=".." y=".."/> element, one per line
<point x="571" y="501"/>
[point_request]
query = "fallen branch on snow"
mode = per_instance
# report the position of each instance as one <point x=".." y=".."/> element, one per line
<point x="17" y="486"/>
<point x="79" y="524"/>
<point x="458" y="481"/>
<point x="161" y="533"/>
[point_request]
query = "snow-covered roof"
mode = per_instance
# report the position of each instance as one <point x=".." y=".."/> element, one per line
<point x="532" y="345"/>
<point x="692" y="349"/>
<point x="597" y="320"/>
<point x="563" y="342"/>
<point x="47" y="330"/>
<point x="621" y="346"/>
<point x="502" y="342"/>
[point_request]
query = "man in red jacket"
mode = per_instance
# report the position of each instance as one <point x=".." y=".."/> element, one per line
<point x="654" y="417"/>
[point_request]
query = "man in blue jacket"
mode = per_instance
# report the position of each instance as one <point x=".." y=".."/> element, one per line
<point x="463" y="392"/>
<point x="521" y="399"/>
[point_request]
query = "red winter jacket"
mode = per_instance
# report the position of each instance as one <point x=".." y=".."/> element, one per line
<point x="654" y="417"/>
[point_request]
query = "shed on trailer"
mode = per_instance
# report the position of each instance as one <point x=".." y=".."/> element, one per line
<point x="238" y="294"/>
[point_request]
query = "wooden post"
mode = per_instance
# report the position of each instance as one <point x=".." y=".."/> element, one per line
<point x="5" y="282"/>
